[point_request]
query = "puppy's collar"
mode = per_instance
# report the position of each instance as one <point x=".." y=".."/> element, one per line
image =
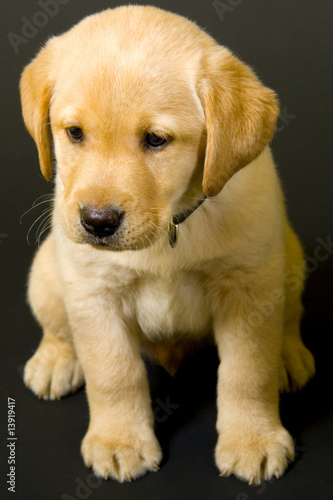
<point x="178" y="219"/>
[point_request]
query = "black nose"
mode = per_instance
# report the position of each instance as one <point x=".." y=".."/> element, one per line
<point x="101" y="222"/>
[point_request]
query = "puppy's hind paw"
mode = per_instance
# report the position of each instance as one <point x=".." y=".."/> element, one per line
<point x="298" y="366"/>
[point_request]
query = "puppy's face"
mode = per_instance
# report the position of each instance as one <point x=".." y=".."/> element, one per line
<point x="146" y="113"/>
<point x="129" y="141"/>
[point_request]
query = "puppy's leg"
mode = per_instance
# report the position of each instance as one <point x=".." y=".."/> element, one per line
<point x="252" y="442"/>
<point x="120" y="442"/>
<point x="54" y="370"/>
<point x="298" y="364"/>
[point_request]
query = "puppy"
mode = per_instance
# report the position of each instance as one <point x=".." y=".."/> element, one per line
<point x="168" y="227"/>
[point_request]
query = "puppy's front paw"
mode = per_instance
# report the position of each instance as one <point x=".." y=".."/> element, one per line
<point x="254" y="456"/>
<point x="120" y="458"/>
<point x="54" y="370"/>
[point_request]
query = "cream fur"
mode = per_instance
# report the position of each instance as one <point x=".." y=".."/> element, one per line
<point x="118" y="75"/>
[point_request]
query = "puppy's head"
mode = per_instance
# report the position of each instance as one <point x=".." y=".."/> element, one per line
<point x="142" y="111"/>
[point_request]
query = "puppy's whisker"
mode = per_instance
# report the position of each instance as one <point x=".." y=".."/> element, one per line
<point x="43" y="227"/>
<point x="157" y="230"/>
<point x="47" y="196"/>
<point x="150" y="242"/>
<point x="143" y="243"/>
<point x="45" y="215"/>
<point x="49" y="199"/>
<point x="192" y="198"/>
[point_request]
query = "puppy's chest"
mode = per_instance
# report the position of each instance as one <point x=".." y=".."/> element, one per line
<point x="174" y="306"/>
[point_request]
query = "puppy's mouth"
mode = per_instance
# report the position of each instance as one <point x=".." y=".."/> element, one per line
<point x="119" y="242"/>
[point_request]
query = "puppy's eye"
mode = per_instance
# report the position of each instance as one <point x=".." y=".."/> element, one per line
<point x="154" y="141"/>
<point x="75" y="134"/>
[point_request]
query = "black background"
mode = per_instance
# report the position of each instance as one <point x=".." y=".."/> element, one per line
<point x="290" y="46"/>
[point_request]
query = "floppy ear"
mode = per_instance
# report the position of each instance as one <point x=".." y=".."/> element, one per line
<point x="240" y="116"/>
<point x="36" y="88"/>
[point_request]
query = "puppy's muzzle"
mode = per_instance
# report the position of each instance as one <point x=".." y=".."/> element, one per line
<point x="101" y="222"/>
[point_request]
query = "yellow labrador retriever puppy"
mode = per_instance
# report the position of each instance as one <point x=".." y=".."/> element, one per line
<point x="168" y="226"/>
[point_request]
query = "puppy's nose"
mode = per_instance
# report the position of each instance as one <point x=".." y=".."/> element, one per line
<point x="101" y="222"/>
